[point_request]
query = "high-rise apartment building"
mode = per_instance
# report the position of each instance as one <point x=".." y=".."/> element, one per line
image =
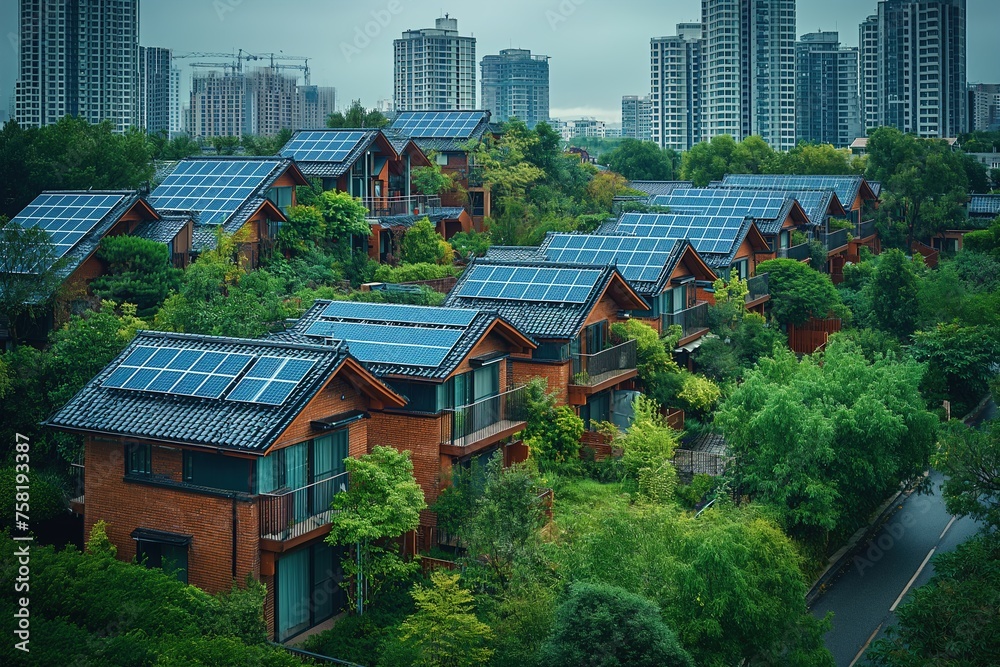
<point x="78" y="58"/>
<point x="868" y="72"/>
<point x="984" y="107"/>
<point x="637" y="117"/>
<point x="748" y="70"/>
<point x="827" y="108"/>
<point x="922" y="83"/>
<point x="176" y="117"/>
<point x="435" y="69"/>
<point x="154" y="89"/>
<point x="218" y="104"/>
<point x="316" y="103"/>
<point x="516" y="85"/>
<point x="675" y="88"/>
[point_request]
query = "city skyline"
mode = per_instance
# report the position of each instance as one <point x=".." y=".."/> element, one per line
<point x="585" y="81"/>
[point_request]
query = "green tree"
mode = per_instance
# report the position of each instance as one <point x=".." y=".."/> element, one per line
<point x="178" y="148"/>
<point x="553" y="433"/>
<point x="962" y="356"/>
<point x="303" y="231"/>
<point x="605" y="626"/>
<point x="711" y="160"/>
<point x="797" y="292"/>
<point x="893" y="293"/>
<point x="641" y="161"/>
<point x="652" y="355"/>
<point x="970" y="460"/>
<point x="422" y="244"/>
<point x="444" y="631"/>
<point x="29" y="273"/>
<point x="431" y="180"/>
<point x="264" y="145"/>
<point x="139" y="271"/>
<point x="647" y="449"/>
<point x="224" y="145"/>
<point x="815" y="159"/>
<point x="382" y="502"/>
<point x="471" y="244"/>
<point x="344" y="216"/>
<point x="357" y="116"/>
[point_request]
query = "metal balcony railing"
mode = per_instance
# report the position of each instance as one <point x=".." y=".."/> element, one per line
<point x="691" y="321"/>
<point x="833" y="240"/>
<point x="412" y="205"/>
<point x="287" y="515"/>
<point x="798" y="252"/>
<point x="758" y="286"/>
<point x="865" y="229"/>
<point x="470" y="424"/>
<point x="591" y="369"/>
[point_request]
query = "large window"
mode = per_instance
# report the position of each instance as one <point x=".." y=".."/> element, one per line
<point x="281" y="197"/>
<point x="301" y="469"/>
<point x="138" y="459"/>
<point x="215" y="471"/>
<point x="308" y="588"/>
<point x="169" y="556"/>
<point x="458" y="391"/>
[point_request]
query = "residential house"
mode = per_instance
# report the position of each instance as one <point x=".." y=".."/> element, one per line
<point x="981" y="211"/>
<point x="243" y="196"/>
<point x="453" y="365"/>
<point x="445" y="136"/>
<point x="77" y="221"/>
<point x="568" y="309"/>
<point x="218" y="458"/>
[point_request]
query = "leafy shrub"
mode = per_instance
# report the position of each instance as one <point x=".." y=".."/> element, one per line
<point x="472" y="243"/>
<point x="423" y="245"/>
<point x="699" y="394"/>
<point x="408" y="273"/>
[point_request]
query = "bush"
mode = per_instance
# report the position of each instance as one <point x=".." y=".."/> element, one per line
<point x="140" y="271"/>
<point x="468" y="244"/>
<point x="423" y="245"/>
<point x="408" y="273"/>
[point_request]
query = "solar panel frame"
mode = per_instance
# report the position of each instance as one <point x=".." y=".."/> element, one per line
<point x="214" y="188"/>
<point x="758" y="204"/>
<point x="262" y="384"/>
<point x="323" y="145"/>
<point x="402" y="314"/>
<point x="637" y="259"/>
<point x="438" y="124"/>
<point x="67" y="217"/>
<point x="502" y="283"/>
<point x="846" y="187"/>
<point x="152" y="369"/>
<point x="707" y="234"/>
<point x="391" y="344"/>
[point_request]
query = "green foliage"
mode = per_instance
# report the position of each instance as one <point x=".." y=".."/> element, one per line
<point x="263" y="145"/>
<point x="816" y="159"/>
<point x="344" y="215"/>
<point x="711" y="160"/>
<point x="652" y="355"/>
<point x="431" y="180"/>
<point x="382" y="501"/>
<point x="606" y="626"/>
<point x="799" y="293"/>
<point x="953" y="620"/>
<point x="139" y="271"/>
<point x="29" y="273"/>
<point x="407" y="273"/>
<point x="224" y="145"/>
<point x="894" y="294"/>
<point x="979" y="272"/>
<point x="641" y="161"/>
<point x="444" y="631"/>
<point x="240" y="612"/>
<point x="178" y="148"/>
<point x="824" y="440"/>
<point x="99" y="544"/>
<point x="962" y="356"/>
<point x="699" y="394"/>
<point x="605" y="186"/>
<point x="553" y="433"/>
<point x="647" y="449"/>
<point x="984" y="241"/>
<point x="423" y="245"/>
<point x="469" y="244"/>
<point x="691" y="494"/>
<point x="971" y="462"/>
<point x="357" y="117"/>
<point x="303" y="231"/>
<point x="47" y="497"/>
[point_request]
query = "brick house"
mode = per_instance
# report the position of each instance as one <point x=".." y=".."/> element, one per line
<point x="568" y="310"/>
<point x="245" y="196"/>
<point x="77" y="221"/>
<point x="453" y="365"/>
<point x="218" y="458"/>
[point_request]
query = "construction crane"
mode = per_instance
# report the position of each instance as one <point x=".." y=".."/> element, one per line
<point x="237" y="59"/>
<point x="272" y="57"/>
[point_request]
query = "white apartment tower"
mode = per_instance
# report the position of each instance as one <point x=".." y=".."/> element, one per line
<point x="78" y="58"/>
<point x="154" y="89"/>
<point x="868" y="72"/>
<point x="637" y="117"/>
<point x="516" y="85"/>
<point x="435" y="69"/>
<point x="176" y="119"/>
<point x="676" y="88"/>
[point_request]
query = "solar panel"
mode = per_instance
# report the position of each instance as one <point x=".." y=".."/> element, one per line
<point x="378" y="312"/>
<point x="438" y="124"/>
<point x="758" y="204"/>
<point x="638" y="259"/>
<point x="516" y="283"/>
<point x="708" y="234"/>
<point x="271" y="380"/>
<point x="846" y="187"/>
<point x="215" y="188"/>
<point x="322" y="145"/>
<point x="175" y="371"/>
<point x="390" y="344"/>
<point x="984" y="205"/>
<point x="66" y="217"/>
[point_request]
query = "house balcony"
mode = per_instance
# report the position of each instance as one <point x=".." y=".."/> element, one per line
<point x="471" y="428"/>
<point x="297" y="515"/>
<point x="759" y="291"/>
<point x="593" y="373"/>
<point x="864" y="230"/>
<point x="476" y="177"/>
<point x="693" y="323"/>
<point x="835" y="242"/>
<point x="799" y="253"/>
<point x="380" y="207"/>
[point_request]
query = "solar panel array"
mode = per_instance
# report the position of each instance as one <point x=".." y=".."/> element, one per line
<point x="846" y="187"/>
<point x="271" y="380"/>
<point x="708" y="234"/>
<point x="638" y="259"/>
<point x="438" y="124"/>
<point x="322" y="145"/>
<point x="984" y="204"/>
<point x="179" y="372"/>
<point x="391" y="344"/>
<point x="215" y="188"/>
<point x="383" y="312"/>
<point x="67" y="217"/>
<point x="513" y="283"/>
<point x="759" y="204"/>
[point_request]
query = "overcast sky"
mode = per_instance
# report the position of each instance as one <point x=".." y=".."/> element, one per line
<point x="599" y="48"/>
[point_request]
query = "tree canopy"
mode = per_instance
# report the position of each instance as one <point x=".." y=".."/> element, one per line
<point x="140" y="271"/>
<point x="798" y="293"/>
<point x="357" y="116"/>
<point x="641" y="161"/>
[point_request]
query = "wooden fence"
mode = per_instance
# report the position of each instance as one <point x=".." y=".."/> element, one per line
<point x="931" y="256"/>
<point x="813" y="335"/>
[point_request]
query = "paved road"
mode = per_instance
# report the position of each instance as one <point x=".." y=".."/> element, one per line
<point x="883" y="571"/>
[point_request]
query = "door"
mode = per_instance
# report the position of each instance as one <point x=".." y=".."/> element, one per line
<point x="293" y="594"/>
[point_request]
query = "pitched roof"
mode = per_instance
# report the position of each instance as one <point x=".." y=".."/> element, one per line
<point x="330" y="153"/>
<point x="434" y="214"/>
<point x="817" y="204"/>
<point x="163" y="230"/>
<point x="984" y="206"/>
<point x="227" y="421"/>
<point x="226" y="191"/>
<point x="515" y="253"/>
<point x="441" y="131"/>
<point x="423" y="342"/>
<point x="769" y="208"/>
<point x="847" y="187"/>
<point x="655" y="188"/>
<point x="542" y="299"/>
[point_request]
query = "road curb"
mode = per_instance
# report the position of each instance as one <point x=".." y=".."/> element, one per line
<point x="845" y="553"/>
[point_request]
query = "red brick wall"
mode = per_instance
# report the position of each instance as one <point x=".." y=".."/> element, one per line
<point x="326" y="403"/>
<point x="127" y="506"/>
<point x="557" y="374"/>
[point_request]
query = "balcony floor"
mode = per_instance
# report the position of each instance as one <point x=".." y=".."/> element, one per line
<point x="578" y="393"/>
<point x="482" y="438"/>
<point x="300" y="527"/>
